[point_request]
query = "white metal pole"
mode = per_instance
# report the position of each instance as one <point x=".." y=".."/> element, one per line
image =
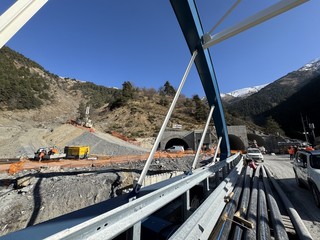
<point x="216" y="152"/>
<point x="16" y="16"/>
<point x="224" y="16"/>
<point x="250" y="22"/>
<point x="195" y="161"/>
<point x="163" y="127"/>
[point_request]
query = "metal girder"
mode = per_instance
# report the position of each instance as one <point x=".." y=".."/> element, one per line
<point x="252" y="21"/>
<point x="188" y="18"/>
<point x="16" y="16"/>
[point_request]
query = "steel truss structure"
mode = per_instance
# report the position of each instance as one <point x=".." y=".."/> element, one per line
<point x="127" y="213"/>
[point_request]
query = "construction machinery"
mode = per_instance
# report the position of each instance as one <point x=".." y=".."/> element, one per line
<point x="70" y="152"/>
<point x="47" y="153"/>
<point x="76" y="152"/>
<point x="85" y="121"/>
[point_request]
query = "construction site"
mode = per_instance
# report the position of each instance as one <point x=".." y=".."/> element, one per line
<point x="53" y="164"/>
<point x="67" y="167"/>
<point x="63" y="176"/>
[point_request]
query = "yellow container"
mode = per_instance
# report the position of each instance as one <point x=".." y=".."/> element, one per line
<point x="76" y="151"/>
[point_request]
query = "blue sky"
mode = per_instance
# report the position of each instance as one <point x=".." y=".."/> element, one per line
<point x="111" y="41"/>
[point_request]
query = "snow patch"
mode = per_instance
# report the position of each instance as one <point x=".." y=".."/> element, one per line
<point x="244" y="91"/>
<point x="314" y="65"/>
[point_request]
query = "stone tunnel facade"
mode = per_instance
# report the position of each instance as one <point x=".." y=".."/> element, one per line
<point x="187" y="139"/>
<point x="191" y="139"/>
<point x="239" y="139"/>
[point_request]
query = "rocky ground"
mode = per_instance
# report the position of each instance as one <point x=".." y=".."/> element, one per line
<point x="34" y="196"/>
<point x="18" y="140"/>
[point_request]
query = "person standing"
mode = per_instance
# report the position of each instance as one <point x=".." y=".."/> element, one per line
<point x="291" y="152"/>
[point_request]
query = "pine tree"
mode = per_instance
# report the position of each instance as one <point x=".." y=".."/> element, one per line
<point x="167" y="89"/>
<point x="272" y="127"/>
<point x="200" y="112"/>
<point x="127" y="90"/>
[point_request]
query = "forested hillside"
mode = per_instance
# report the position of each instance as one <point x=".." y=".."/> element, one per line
<point x="139" y="112"/>
<point x="284" y="101"/>
<point x="304" y="103"/>
<point x="131" y="111"/>
<point x="21" y="86"/>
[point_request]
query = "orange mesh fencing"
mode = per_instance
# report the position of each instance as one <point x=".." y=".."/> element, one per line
<point x="15" y="167"/>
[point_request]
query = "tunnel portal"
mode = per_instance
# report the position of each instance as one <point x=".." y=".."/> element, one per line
<point x="176" y="142"/>
<point x="236" y="143"/>
<point x="254" y="137"/>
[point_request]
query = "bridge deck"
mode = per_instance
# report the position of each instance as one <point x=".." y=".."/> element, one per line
<point x="184" y="207"/>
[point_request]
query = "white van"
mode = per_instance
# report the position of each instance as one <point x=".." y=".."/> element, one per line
<point x="175" y="149"/>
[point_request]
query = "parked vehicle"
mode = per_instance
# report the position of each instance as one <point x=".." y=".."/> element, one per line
<point x="255" y="154"/>
<point x="306" y="167"/>
<point x="70" y="152"/>
<point x="176" y="149"/>
<point x="77" y="152"/>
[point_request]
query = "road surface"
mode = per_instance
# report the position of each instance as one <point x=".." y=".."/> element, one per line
<point x="301" y="198"/>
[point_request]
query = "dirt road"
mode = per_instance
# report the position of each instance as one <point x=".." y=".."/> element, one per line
<point x="301" y="198"/>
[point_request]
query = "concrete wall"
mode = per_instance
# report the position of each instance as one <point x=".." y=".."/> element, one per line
<point x="190" y="139"/>
<point x="240" y="132"/>
<point x="186" y="136"/>
<point x="148" y="180"/>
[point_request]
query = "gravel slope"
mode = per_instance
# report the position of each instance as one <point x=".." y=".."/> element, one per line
<point x="23" y="139"/>
<point x="105" y="144"/>
<point x="51" y="192"/>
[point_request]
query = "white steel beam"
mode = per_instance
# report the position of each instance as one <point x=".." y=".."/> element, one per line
<point x="195" y="161"/>
<point x="16" y="16"/>
<point x="164" y="125"/>
<point x="250" y="22"/>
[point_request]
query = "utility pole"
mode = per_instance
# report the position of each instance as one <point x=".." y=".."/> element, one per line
<point x="304" y="128"/>
<point x="312" y="127"/>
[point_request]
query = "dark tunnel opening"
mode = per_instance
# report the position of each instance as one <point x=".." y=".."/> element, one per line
<point x="176" y="142"/>
<point x="254" y="137"/>
<point x="236" y="143"/>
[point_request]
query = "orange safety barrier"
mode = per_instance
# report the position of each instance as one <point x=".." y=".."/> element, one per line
<point x="15" y="167"/>
<point x="95" y="161"/>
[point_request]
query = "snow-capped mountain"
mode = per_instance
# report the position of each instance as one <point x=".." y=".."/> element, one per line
<point x="314" y="65"/>
<point x="244" y="92"/>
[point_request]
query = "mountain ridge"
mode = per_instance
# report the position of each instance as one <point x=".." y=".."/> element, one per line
<point x="244" y="92"/>
<point x="61" y="98"/>
<point x="263" y="104"/>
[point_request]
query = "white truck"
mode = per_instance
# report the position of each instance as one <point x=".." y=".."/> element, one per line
<point x="175" y="149"/>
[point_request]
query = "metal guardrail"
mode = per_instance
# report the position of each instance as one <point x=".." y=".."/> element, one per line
<point x="131" y="214"/>
<point x="201" y="223"/>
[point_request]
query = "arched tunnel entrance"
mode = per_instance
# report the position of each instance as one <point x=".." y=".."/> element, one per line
<point x="236" y="143"/>
<point x="176" y="142"/>
<point x="254" y="137"/>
